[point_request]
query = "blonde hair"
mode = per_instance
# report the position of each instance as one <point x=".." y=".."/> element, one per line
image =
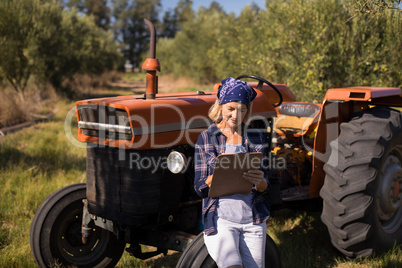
<point x="215" y="112"/>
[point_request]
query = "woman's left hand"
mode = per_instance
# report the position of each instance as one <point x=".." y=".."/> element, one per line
<point x="256" y="177"/>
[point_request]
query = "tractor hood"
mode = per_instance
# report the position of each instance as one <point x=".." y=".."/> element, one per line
<point x="169" y="119"/>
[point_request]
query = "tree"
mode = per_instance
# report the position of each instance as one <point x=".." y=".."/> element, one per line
<point x="216" y="6"/>
<point x="173" y="20"/>
<point x="309" y="45"/>
<point x="375" y="6"/>
<point x="169" y="25"/>
<point x="20" y="24"/>
<point x="255" y="7"/>
<point x="184" y="12"/>
<point x="39" y="38"/>
<point x="97" y="8"/>
<point x="129" y="26"/>
<point x="80" y="46"/>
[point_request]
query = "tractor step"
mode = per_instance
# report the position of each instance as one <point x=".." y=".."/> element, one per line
<point x="295" y="193"/>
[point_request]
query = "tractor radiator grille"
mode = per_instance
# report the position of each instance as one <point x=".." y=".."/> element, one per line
<point x="119" y="189"/>
<point x="104" y="122"/>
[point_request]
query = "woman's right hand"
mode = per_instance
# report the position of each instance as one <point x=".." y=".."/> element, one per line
<point x="208" y="181"/>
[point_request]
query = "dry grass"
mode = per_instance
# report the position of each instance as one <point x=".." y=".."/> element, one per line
<point x="166" y="83"/>
<point x="38" y="100"/>
<point x="17" y="108"/>
<point x="86" y="85"/>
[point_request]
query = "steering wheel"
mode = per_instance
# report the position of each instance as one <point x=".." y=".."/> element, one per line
<point x="261" y="81"/>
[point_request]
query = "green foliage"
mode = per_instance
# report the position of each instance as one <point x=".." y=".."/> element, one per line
<point x="188" y="53"/>
<point x="40" y="38"/>
<point x="16" y="31"/>
<point x="129" y="27"/>
<point x="97" y="8"/>
<point x="310" y="45"/>
<point x="173" y="20"/>
<point x="375" y="6"/>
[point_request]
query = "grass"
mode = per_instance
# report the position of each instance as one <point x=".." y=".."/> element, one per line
<point x="34" y="162"/>
<point x="38" y="160"/>
<point x="18" y="108"/>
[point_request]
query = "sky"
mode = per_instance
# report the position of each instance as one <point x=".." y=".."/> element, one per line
<point x="228" y="5"/>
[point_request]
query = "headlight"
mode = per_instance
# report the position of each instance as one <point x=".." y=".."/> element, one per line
<point x="176" y="162"/>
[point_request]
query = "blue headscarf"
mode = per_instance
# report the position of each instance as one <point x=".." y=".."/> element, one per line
<point x="236" y="90"/>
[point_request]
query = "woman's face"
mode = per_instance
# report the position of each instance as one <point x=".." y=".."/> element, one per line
<point x="234" y="113"/>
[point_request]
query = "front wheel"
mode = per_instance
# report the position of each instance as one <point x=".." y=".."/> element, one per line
<point x="196" y="255"/>
<point x="55" y="234"/>
<point x="362" y="190"/>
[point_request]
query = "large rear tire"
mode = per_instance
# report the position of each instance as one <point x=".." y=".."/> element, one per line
<point x="196" y="255"/>
<point x="55" y="234"/>
<point x="362" y="190"/>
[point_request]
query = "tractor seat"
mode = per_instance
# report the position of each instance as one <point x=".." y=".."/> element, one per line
<point x="296" y="118"/>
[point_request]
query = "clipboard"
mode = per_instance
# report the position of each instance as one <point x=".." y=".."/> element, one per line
<point x="228" y="178"/>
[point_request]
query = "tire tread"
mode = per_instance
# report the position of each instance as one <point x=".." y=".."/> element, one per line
<point x="350" y="170"/>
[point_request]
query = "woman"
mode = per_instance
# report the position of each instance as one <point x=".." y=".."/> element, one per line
<point x="234" y="225"/>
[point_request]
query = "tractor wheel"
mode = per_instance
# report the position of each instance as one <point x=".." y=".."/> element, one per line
<point x="55" y="234"/>
<point x="363" y="184"/>
<point x="196" y="255"/>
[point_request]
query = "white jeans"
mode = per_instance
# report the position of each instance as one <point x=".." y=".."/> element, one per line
<point x="237" y="244"/>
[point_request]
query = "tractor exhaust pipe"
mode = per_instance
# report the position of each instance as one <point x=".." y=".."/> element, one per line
<point x="151" y="64"/>
<point x="152" y="41"/>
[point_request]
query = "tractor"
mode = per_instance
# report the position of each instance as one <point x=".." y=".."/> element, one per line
<point x="345" y="151"/>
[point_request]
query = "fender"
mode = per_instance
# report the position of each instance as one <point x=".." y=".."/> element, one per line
<point x="373" y="95"/>
<point x="339" y="105"/>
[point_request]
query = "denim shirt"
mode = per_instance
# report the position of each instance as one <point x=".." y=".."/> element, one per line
<point x="210" y="144"/>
